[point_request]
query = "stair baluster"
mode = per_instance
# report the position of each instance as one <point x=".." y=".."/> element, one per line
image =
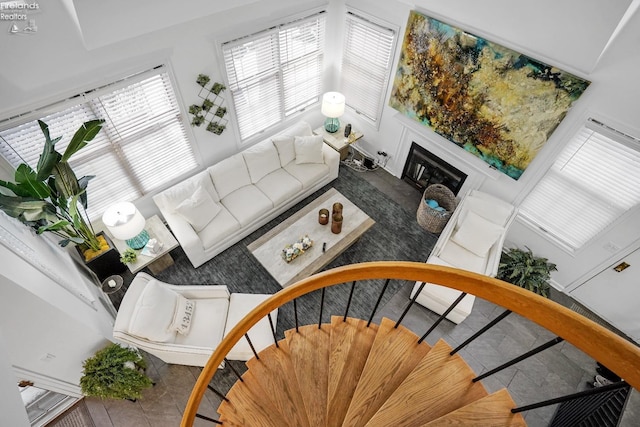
<point x="202" y="417"/>
<point x="481" y="331"/>
<point x="218" y="393"/>
<point x="442" y="317"/>
<point x="273" y="330"/>
<point x="411" y="302"/>
<point x="237" y="374"/>
<point x="346" y="310"/>
<point x="583" y="393"/>
<point x="295" y="313"/>
<point x="520" y="358"/>
<point x="375" y="308"/>
<point x="321" y="307"/>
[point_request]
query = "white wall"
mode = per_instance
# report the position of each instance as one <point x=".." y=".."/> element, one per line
<point x="11" y="406"/>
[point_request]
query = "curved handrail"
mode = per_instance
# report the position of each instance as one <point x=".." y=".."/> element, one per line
<point x="613" y="351"/>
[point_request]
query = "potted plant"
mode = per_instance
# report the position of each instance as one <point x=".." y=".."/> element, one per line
<point x="207" y="104"/>
<point x="202" y="79"/>
<point x="522" y="268"/>
<point x="128" y="256"/>
<point x="51" y="198"/>
<point x="115" y="372"/>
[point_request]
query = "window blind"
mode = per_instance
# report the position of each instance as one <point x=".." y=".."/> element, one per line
<point x="275" y="73"/>
<point x="594" y="181"/>
<point x="142" y="145"/>
<point x="366" y="65"/>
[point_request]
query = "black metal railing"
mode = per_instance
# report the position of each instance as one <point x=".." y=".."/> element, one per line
<point x="587" y="401"/>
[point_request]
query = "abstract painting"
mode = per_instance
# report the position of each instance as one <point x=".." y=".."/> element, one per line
<point x="494" y="102"/>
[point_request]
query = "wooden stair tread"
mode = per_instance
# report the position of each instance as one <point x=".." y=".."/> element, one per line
<point x="274" y="372"/>
<point x="309" y="352"/>
<point x="394" y="354"/>
<point x="492" y="410"/>
<point x="350" y="344"/>
<point x="249" y="406"/>
<point x="439" y="384"/>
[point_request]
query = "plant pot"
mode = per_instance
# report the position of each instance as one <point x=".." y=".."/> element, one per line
<point x="336" y="224"/>
<point x="105" y="264"/>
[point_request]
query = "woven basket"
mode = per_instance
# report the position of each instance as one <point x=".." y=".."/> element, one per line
<point x="431" y="219"/>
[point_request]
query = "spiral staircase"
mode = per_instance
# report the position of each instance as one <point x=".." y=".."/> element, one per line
<point x="351" y="372"/>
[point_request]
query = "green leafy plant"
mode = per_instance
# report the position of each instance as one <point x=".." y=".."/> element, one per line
<point x="128" y="256"/>
<point x="195" y="109"/>
<point x="215" y="128"/>
<point x="115" y="372"/>
<point x="217" y="88"/>
<point x="221" y="111"/>
<point x="207" y="104"/>
<point x="203" y="79"/>
<point x="197" y="120"/>
<point x="51" y="198"/>
<point x="523" y="269"/>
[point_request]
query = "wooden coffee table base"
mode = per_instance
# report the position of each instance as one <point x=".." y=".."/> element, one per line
<point x="267" y="249"/>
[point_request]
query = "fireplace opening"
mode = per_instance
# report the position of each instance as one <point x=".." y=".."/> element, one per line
<point x="423" y="168"/>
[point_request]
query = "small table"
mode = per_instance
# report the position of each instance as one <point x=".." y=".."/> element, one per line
<point x="155" y="262"/>
<point x="117" y="284"/>
<point x="337" y="140"/>
<point x="268" y="248"/>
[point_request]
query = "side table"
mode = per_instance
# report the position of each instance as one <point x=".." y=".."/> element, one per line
<point x="158" y="261"/>
<point x="337" y="140"/>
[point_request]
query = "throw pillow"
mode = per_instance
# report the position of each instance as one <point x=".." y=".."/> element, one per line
<point x="199" y="209"/>
<point x="476" y="234"/>
<point x="229" y="174"/>
<point x="154" y="313"/>
<point x="183" y="315"/>
<point x="308" y="149"/>
<point x="284" y="145"/>
<point x="261" y="160"/>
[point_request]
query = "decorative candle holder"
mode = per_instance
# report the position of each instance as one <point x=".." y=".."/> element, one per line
<point x="336" y="223"/>
<point x="323" y="216"/>
<point x="337" y="209"/>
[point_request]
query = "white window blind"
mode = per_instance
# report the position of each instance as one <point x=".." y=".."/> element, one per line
<point x="594" y="181"/>
<point x="366" y="65"/>
<point x="142" y="145"/>
<point x="275" y="73"/>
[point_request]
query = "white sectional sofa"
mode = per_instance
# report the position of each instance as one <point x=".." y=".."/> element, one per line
<point x="217" y="207"/>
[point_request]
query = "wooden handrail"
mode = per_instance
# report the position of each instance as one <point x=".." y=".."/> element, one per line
<point x="619" y="355"/>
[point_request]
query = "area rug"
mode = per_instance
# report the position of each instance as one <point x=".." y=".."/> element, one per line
<point x="395" y="236"/>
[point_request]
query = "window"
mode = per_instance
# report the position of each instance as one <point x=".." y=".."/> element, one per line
<point x="594" y="181"/>
<point x="366" y="65"/>
<point x="142" y="145"/>
<point x="275" y="73"/>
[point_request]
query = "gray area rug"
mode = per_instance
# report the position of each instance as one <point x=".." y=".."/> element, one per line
<point x="395" y="236"/>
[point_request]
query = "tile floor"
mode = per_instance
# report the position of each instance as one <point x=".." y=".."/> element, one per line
<point x="559" y="370"/>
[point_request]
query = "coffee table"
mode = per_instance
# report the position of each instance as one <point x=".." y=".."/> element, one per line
<point x="268" y="248"/>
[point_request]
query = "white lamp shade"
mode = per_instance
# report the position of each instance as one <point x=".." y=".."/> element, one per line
<point x="332" y="104"/>
<point x="123" y="220"/>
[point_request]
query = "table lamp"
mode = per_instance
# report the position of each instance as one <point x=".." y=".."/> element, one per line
<point x="332" y="108"/>
<point x="125" y="222"/>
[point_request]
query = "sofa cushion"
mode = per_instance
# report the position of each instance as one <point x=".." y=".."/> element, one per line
<point x="279" y="186"/>
<point x="487" y="206"/>
<point x="223" y="225"/>
<point x="229" y="175"/>
<point x="261" y="159"/>
<point x="175" y="195"/>
<point x="459" y="257"/>
<point x="207" y="324"/>
<point x="260" y="334"/>
<point x="284" y="141"/>
<point x="309" y="173"/>
<point x="199" y="209"/>
<point x="247" y="204"/>
<point x="153" y="313"/>
<point x="308" y="149"/>
<point x="477" y="234"/>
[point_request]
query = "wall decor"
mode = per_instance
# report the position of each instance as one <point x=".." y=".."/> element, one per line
<point x="211" y="110"/>
<point x="494" y="102"/>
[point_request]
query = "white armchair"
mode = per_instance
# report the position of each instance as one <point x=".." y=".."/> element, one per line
<point x="184" y="324"/>
<point x="472" y="240"/>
